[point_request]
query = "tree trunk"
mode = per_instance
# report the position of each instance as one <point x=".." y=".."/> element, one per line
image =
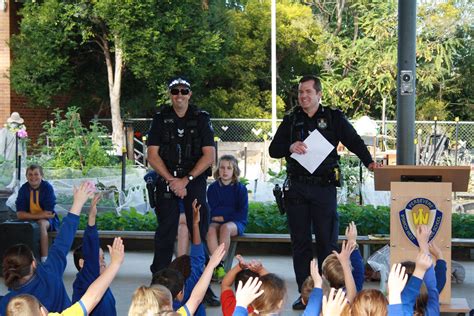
<point x="114" y="77"/>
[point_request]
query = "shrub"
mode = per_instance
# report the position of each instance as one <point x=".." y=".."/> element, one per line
<point x="265" y="218"/>
<point x="74" y="146"/>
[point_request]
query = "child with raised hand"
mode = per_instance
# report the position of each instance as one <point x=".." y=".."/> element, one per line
<point x="228" y="205"/>
<point x="201" y="287"/>
<point x="35" y="202"/>
<point x="334" y="303"/>
<point x="89" y="261"/>
<point x="358" y="269"/>
<point x="430" y="302"/>
<point x="26" y="304"/>
<point x="313" y="305"/>
<point x="241" y="272"/>
<point x="440" y="267"/>
<point x="397" y="279"/>
<point x="412" y="289"/>
<point x="174" y="278"/>
<point x="337" y="270"/>
<point x="246" y="294"/>
<point x="22" y="275"/>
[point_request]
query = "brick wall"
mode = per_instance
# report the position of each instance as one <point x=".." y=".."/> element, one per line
<point x="4" y="65"/>
<point x="9" y="100"/>
<point x="34" y="116"/>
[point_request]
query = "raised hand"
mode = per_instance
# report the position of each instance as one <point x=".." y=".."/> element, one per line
<point x="117" y="251"/>
<point x="81" y="194"/>
<point x="423" y="236"/>
<point x="435" y="250"/>
<point x="313" y="267"/>
<point x="344" y="256"/>
<point x="93" y="209"/>
<point x="422" y="263"/>
<point x="243" y="265"/>
<point x="397" y="280"/>
<point x="351" y="233"/>
<point x="217" y="256"/>
<point x="196" y="214"/>
<point x="334" y="304"/>
<point x="248" y="292"/>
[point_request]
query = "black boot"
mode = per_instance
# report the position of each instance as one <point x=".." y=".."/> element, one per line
<point x="210" y="299"/>
<point x="298" y="304"/>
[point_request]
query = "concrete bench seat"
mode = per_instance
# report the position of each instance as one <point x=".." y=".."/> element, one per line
<point x="364" y="241"/>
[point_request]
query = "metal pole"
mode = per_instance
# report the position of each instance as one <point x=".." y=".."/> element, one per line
<point x="145" y="151"/>
<point x="456" y="140"/>
<point x="245" y="160"/>
<point x="124" y="166"/>
<point x="406" y="81"/>
<point x="17" y="162"/>
<point x="217" y="150"/>
<point x="273" y="66"/>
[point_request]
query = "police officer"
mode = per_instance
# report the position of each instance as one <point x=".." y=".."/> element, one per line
<point x="310" y="198"/>
<point x="181" y="150"/>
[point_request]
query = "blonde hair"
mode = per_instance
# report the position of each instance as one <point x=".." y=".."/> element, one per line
<point x="235" y="165"/>
<point x="150" y="300"/>
<point x="369" y="302"/>
<point x="23" y="305"/>
<point x="332" y="271"/>
<point x="272" y="298"/>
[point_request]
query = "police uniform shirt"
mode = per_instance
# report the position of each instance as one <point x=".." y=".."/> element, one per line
<point x="204" y="126"/>
<point x="333" y="126"/>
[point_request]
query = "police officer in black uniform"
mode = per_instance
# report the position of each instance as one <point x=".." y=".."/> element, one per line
<point x="181" y="150"/>
<point x="310" y="198"/>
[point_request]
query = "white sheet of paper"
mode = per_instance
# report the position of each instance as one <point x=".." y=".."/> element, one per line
<point x="318" y="149"/>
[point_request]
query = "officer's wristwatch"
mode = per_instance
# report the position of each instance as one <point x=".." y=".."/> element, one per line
<point x="190" y="178"/>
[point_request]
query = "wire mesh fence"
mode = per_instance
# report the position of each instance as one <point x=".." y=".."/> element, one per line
<point x="256" y="130"/>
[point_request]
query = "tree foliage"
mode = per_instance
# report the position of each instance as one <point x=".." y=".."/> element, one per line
<point x="224" y="48"/>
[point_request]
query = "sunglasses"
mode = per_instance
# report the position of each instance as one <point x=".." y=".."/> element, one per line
<point x="176" y="91"/>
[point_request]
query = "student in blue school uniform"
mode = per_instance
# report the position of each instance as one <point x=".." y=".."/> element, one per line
<point x="26" y="304"/>
<point x="228" y="204"/>
<point x="23" y="275"/>
<point x="89" y="261"/>
<point x="36" y="202"/>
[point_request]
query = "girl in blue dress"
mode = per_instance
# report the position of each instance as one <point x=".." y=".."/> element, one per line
<point x="228" y="205"/>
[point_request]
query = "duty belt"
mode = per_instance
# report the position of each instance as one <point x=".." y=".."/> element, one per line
<point x="321" y="180"/>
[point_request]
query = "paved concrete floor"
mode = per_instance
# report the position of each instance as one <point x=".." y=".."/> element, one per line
<point x="135" y="272"/>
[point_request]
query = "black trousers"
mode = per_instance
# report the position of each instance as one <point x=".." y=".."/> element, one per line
<point x="311" y="207"/>
<point x="167" y="213"/>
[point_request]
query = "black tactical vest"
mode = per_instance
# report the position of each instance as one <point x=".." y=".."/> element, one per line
<point x="179" y="155"/>
<point x="299" y="131"/>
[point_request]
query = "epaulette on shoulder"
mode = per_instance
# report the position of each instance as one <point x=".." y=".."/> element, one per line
<point x="197" y="111"/>
<point x="294" y="110"/>
<point x="163" y="109"/>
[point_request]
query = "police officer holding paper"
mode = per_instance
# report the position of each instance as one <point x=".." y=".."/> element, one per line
<point x="310" y="198"/>
<point x="181" y="150"/>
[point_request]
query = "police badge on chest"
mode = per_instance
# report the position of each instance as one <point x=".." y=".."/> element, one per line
<point x="322" y="123"/>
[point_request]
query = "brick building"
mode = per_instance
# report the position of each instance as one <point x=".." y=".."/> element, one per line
<point x="9" y="100"/>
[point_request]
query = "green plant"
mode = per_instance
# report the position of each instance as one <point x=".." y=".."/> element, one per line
<point x="265" y="218"/>
<point x="74" y="146"/>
